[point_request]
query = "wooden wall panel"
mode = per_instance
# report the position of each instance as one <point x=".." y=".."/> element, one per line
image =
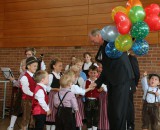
<point x="56" y="23"/>
<point x="44" y="32"/>
<point x="47" y="13"/>
<point x="47" y="22"/>
<point x="43" y="4"/>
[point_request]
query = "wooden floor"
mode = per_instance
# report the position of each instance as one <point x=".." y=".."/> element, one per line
<point x="5" y="122"/>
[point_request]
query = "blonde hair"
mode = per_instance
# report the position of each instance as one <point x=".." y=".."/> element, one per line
<point x="39" y="75"/>
<point x="78" y="61"/>
<point x="94" y="32"/>
<point x="75" y="69"/>
<point x="66" y="80"/>
<point x="23" y="63"/>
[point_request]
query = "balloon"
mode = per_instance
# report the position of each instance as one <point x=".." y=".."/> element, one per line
<point x="132" y="3"/>
<point x="152" y="9"/>
<point x="140" y="47"/>
<point x="152" y="21"/>
<point x="109" y="33"/>
<point x="136" y="14"/>
<point x="118" y="9"/>
<point x="139" y="30"/>
<point x="111" y="51"/>
<point x="123" y="42"/>
<point x="157" y="27"/>
<point x="123" y="23"/>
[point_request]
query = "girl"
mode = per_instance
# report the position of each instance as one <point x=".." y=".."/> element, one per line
<point x="54" y="77"/>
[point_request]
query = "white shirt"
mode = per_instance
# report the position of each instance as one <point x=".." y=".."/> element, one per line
<point x="41" y="97"/>
<point x="150" y="97"/>
<point x="78" y="90"/>
<point x="43" y="66"/>
<point x="25" y="84"/>
<point x="87" y="65"/>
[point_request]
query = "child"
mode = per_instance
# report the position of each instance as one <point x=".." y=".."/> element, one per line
<point x="151" y="97"/>
<point x="92" y="101"/>
<point x="54" y="77"/>
<point x="17" y="105"/>
<point x="28" y="85"/>
<point x="73" y="58"/>
<point x="40" y="106"/>
<point x="66" y="103"/>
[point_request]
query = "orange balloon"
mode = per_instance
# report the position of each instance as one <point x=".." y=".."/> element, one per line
<point x="132" y="3"/>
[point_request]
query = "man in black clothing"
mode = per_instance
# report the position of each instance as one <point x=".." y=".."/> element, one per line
<point x="117" y="74"/>
<point x="134" y="84"/>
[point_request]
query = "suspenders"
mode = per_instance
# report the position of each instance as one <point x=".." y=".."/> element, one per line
<point x="151" y="93"/>
<point x="61" y="100"/>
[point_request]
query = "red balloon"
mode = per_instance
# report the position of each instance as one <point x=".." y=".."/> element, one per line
<point x="157" y="27"/>
<point x="152" y="21"/>
<point x="123" y="23"/>
<point x="152" y="9"/>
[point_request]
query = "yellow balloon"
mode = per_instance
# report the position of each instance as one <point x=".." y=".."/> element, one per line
<point x="123" y="42"/>
<point x="119" y="9"/>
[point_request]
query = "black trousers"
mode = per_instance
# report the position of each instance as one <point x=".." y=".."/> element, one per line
<point x="130" y="112"/>
<point x="65" y="119"/>
<point x="117" y="105"/>
<point x="39" y="121"/>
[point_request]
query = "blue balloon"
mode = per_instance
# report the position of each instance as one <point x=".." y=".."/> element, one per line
<point x="140" y="47"/>
<point x="111" y="51"/>
<point x="109" y="33"/>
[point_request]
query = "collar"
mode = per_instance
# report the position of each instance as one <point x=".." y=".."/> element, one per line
<point x="43" y="86"/>
<point x="65" y="89"/>
<point x="56" y="74"/>
<point x="31" y="74"/>
<point x="92" y="80"/>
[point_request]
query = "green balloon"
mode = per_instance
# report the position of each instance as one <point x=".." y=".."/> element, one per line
<point x="136" y="14"/>
<point x="139" y="30"/>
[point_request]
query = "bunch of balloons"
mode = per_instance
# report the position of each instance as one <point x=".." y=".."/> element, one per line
<point x="132" y="22"/>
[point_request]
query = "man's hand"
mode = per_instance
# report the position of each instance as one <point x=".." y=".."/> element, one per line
<point x="92" y="86"/>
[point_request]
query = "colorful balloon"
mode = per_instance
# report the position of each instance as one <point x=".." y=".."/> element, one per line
<point x="152" y="9"/>
<point x="109" y="33"/>
<point x="140" y="47"/>
<point x="132" y="3"/>
<point x="123" y="43"/>
<point x="111" y="51"/>
<point x="123" y="23"/>
<point x="152" y="21"/>
<point x="118" y="9"/>
<point x="139" y="30"/>
<point x="136" y="14"/>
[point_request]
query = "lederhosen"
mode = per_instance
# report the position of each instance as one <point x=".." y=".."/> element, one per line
<point x="65" y="119"/>
<point x="150" y="113"/>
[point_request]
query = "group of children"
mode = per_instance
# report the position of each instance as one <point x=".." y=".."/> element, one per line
<point x="66" y="101"/>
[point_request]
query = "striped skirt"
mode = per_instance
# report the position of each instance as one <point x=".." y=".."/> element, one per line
<point x="103" y="122"/>
<point x="51" y="117"/>
<point x="80" y="106"/>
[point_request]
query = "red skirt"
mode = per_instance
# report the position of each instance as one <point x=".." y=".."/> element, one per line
<point x="103" y="121"/>
<point x="51" y="117"/>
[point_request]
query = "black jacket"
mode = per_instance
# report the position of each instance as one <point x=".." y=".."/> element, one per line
<point x="115" y="71"/>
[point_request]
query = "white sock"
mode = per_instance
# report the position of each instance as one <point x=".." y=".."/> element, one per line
<point x="89" y="128"/>
<point x="13" y="120"/>
<point x="53" y="127"/>
<point x="94" y="128"/>
<point x="80" y="128"/>
<point x="48" y="127"/>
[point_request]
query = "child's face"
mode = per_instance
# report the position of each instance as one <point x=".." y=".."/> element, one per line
<point x="79" y="65"/>
<point x="154" y="81"/>
<point x="33" y="67"/>
<point x="87" y="58"/>
<point x="29" y="54"/>
<point x="93" y="74"/>
<point x="46" y="79"/>
<point x="58" y="67"/>
<point x="73" y="60"/>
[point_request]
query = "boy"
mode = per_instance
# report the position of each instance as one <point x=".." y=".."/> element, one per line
<point x="151" y="97"/>
<point x="92" y="101"/>
<point x="40" y="106"/>
<point x="65" y="101"/>
<point x="28" y="85"/>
